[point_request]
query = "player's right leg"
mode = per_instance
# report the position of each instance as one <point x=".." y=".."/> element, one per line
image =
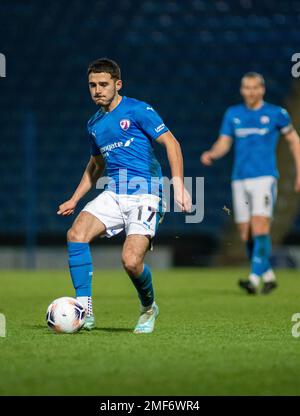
<point x="134" y="250"/>
<point x="262" y="195"/>
<point x="84" y="229"/>
<point x="143" y="214"/>
<point x="244" y="230"/>
<point x="242" y="213"/>
<point x="99" y="217"/>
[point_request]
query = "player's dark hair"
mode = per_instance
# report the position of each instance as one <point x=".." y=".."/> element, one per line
<point x="105" y="65"/>
<point x="253" y="74"/>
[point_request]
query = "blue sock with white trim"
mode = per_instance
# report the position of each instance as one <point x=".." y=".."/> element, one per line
<point x="81" y="270"/>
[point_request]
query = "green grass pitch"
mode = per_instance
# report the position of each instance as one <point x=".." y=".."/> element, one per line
<point x="210" y="338"/>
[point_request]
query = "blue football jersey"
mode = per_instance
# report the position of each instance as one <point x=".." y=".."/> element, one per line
<point x="255" y="134"/>
<point x="125" y="137"/>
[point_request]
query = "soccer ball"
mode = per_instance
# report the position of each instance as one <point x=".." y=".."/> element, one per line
<point x="65" y="315"/>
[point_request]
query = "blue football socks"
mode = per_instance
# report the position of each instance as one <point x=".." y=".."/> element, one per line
<point x="261" y="254"/>
<point x="81" y="268"/>
<point x="144" y="287"/>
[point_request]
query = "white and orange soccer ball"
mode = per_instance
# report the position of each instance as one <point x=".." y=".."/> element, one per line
<point x="65" y="315"/>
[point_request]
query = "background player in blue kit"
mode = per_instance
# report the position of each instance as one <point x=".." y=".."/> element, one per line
<point x="121" y="134"/>
<point x="254" y="127"/>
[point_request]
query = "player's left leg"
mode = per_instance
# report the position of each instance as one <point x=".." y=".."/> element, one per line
<point x="134" y="250"/>
<point x="263" y="192"/>
<point x="260" y="265"/>
<point x="260" y="259"/>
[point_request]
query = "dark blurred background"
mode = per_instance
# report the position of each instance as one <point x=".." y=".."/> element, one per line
<point x="186" y="59"/>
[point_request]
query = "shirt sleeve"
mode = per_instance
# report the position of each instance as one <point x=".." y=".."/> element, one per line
<point x="283" y="122"/>
<point x="149" y="121"/>
<point x="227" y="125"/>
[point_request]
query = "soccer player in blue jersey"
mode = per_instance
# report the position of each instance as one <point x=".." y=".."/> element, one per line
<point x="122" y="134"/>
<point x="254" y="128"/>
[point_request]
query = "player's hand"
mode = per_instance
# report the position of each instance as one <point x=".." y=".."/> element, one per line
<point x="183" y="199"/>
<point x="206" y="158"/>
<point x="67" y="208"/>
<point x="297" y="184"/>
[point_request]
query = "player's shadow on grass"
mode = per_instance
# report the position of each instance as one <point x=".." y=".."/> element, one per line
<point x="37" y="326"/>
<point x="44" y="328"/>
<point x="113" y="329"/>
<point x="221" y="292"/>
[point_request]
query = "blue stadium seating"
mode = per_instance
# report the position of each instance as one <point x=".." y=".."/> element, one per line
<point x="185" y="58"/>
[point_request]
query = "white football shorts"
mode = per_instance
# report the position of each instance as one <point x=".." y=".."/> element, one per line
<point x="136" y="214"/>
<point x="253" y="196"/>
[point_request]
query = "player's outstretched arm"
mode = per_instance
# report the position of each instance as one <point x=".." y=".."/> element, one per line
<point x="181" y="195"/>
<point x="219" y="149"/>
<point x="294" y="143"/>
<point x="92" y="173"/>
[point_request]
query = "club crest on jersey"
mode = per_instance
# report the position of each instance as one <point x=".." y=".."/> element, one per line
<point x="125" y="124"/>
<point x="264" y="119"/>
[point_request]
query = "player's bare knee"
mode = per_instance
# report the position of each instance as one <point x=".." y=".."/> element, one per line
<point x="244" y="237"/>
<point x="260" y="231"/>
<point x="132" y="265"/>
<point x="76" y="236"/>
<point x="260" y="225"/>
